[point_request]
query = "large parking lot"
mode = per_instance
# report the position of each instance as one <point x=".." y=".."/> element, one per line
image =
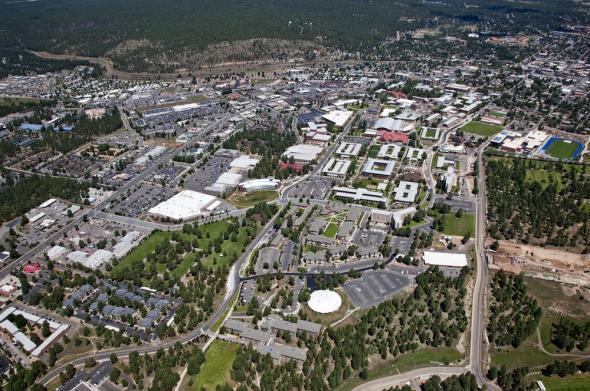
<point x="141" y="200"/>
<point x="369" y="237"/>
<point x="313" y="187"/>
<point x="374" y="287"/>
<point x="208" y="173"/>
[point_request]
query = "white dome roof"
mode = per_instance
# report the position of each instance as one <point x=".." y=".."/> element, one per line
<point x="324" y="301"/>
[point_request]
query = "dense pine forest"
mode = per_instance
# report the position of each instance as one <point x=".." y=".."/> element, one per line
<point x="522" y="195"/>
<point x="174" y="32"/>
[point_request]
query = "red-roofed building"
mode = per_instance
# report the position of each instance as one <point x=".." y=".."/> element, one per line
<point x="32" y="268"/>
<point x="396" y="94"/>
<point x="233" y="96"/>
<point x="297" y="167"/>
<point x="393" y="137"/>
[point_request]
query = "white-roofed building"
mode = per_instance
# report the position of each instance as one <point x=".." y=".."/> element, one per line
<point x="379" y="168"/>
<point x="55" y="252"/>
<point x="47" y="203"/>
<point x="336" y="167"/>
<point x="258" y="185"/>
<point x="97" y="258"/>
<point x="445" y="259"/>
<point x="359" y="194"/>
<point x="126" y="243"/>
<point x="77" y="256"/>
<point x="349" y="149"/>
<point x="338" y="117"/>
<point x="185" y="205"/>
<point x="389" y="151"/>
<point x="324" y="301"/>
<point x="303" y="152"/>
<point x="244" y="162"/>
<point x="406" y="191"/>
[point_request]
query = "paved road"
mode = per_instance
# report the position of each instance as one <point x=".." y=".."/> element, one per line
<point x="419" y="375"/>
<point x="477" y="350"/>
<point x="232" y="285"/>
<point x="90" y="212"/>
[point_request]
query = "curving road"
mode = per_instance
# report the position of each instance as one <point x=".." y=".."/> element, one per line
<point x="417" y="375"/>
<point x="232" y="285"/>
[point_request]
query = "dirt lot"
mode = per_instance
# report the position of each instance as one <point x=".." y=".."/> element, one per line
<point x="568" y="267"/>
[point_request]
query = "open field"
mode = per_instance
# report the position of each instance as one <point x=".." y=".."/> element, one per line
<point x="424" y="357"/>
<point x="527" y="354"/>
<point x="219" y="358"/>
<point x="242" y="200"/>
<point x="459" y="226"/>
<point x="480" y="128"/>
<point x="569" y="383"/>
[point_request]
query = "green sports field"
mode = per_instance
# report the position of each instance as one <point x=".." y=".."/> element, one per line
<point x="561" y="149"/>
<point x="476" y="127"/>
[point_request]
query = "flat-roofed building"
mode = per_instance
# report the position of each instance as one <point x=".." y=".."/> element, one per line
<point x="185" y="205"/>
<point x="336" y="167"/>
<point x="303" y="152"/>
<point x="380" y="217"/>
<point x="445" y="259"/>
<point x="400" y="215"/>
<point x="389" y="151"/>
<point x="378" y="168"/>
<point x="406" y="191"/>
<point x="349" y="149"/>
<point x="358" y="194"/>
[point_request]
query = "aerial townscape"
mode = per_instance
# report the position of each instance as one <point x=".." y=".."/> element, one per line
<point x="213" y="195"/>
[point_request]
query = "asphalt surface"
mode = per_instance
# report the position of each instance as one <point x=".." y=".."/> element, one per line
<point x="374" y="287"/>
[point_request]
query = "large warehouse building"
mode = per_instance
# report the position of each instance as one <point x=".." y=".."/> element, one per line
<point x="185" y="205"/>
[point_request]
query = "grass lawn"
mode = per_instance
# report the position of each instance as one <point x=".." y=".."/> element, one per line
<point x="497" y="114"/>
<point x="424" y="357"/>
<point x="414" y="223"/>
<point x="579" y="382"/>
<point x="431" y="133"/>
<point x="374" y="151"/>
<point x="562" y="149"/>
<point x="526" y="355"/>
<point x="219" y="358"/>
<point x="214" y="229"/>
<point x="480" y="128"/>
<point x="331" y="230"/>
<point x="366" y="183"/>
<point x="459" y="226"/>
<point x="247" y="200"/>
<point x="197" y="98"/>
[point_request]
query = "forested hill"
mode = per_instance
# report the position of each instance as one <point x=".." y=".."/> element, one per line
<point x="140" y="28"/>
